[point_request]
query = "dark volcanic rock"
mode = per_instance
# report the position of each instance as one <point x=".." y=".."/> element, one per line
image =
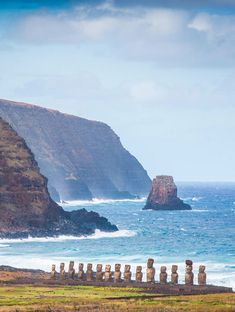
<point x="163" y="195"/>
<point x="25" y="204"/>
<point x="81" y="158"/>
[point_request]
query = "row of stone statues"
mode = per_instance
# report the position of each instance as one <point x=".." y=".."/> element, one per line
<point x="116" y="276"/>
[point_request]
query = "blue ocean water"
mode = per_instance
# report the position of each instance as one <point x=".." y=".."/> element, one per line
<point x="206" y="234"/>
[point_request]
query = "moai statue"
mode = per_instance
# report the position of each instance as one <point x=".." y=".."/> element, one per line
<point x="202" y="275"/>
<point x="150" y="271"/>
<point x="80" y="271"/>
<point x="89" y="273"/>
<point x="99" y="273"/>
<point x="174" y="274"/>
<point x="53" y="272"/>
<point x="62" y="271"/>
<point x="107" y="273"/>
<point x="189" y="272"/>
<point x="163" y="275"/>
<point x="127" y="274"/>
<point x="117" y="273"/>
<point x="71" y="271"/>
<point x="139" y="274"/>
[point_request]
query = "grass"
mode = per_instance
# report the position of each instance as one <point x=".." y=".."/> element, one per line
<point x="90" y="298"/>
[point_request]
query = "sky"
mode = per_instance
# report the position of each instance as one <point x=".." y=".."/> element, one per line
<point x="160" y="73"/>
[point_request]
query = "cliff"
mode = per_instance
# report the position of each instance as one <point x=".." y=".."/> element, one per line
<point x="81" y="158"/>
<point x="25" y="204"/>
<point x="163" y="195"/>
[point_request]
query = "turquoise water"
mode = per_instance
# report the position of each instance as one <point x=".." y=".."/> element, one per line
<point x="206" y="235"/>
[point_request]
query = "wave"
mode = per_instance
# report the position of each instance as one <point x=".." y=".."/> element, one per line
<point x="4" y="245"/>
<point x="197" y="198"/>
<point x="98" y="201"/>
<point x="194" y="198"/>
<point x="97" y="235"/>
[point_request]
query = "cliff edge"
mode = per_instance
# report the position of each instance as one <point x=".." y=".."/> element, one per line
<point x="26" y="207"/>
<point x="163" y="195"/>
<point x="82" y="159"/>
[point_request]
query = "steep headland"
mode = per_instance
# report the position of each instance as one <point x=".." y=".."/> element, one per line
<point x="81" y="158"/>
<point x="163" y="195"/>
<point x="26" y="207"/>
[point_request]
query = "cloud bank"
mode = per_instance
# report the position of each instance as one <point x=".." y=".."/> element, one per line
<point x="168" y="37"/>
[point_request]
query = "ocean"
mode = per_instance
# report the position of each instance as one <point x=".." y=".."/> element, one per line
<point x="206" y="235"/>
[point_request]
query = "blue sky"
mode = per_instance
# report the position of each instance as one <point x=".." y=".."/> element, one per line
<point x="162" y="76"/>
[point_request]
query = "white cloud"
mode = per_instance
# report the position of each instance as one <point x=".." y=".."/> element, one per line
<point x="202" y="22"/>
<point x="167" y="37"/>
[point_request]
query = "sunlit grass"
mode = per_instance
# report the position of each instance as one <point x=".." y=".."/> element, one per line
<point x="91" y="298"/>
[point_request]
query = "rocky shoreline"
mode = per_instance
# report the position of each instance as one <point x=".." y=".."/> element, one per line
<point x="26" y="208"/>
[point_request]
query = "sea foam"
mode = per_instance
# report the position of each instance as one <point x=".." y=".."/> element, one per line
<point x="98" y="201"/>
<point x="97" y="235"/>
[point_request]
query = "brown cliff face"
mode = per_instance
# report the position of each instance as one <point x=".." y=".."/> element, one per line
<point x="81" y="158"/>
<point x="163" y="195"/>
<point x="25" y="204"/>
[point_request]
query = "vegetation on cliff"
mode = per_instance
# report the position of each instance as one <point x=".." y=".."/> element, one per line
<point x="26" y="207"/>
<point x="81" y="158"/>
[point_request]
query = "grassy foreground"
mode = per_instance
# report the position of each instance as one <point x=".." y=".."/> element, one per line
<point x="89" y="298"/>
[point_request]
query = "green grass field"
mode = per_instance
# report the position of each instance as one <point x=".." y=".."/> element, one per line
<point x="90" y="298"/>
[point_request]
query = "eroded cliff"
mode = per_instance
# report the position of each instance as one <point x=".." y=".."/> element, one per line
<point x="25" y="204"/>
<point x="81" y="158"/>
<point x="163" y="195"/>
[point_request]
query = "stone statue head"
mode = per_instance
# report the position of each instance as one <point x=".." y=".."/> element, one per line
<point x="89" y="266"/>
<point x="62" y="266"/>
<point x="107" y="268"/>
<point x="127" y="268"/>
<point x="81" y="266"/>
<point x="53" y="267"/>
<point x="163" y="269"/>
<point x="202" y="268"/>
<point x="174" y="268"/>
<point x="150" y="263"/>
<point x="189" y="269"/>
<point x="117" y="267"/>
<point x="71" y="265"/>
<point x="138" y="269"/>
<point x="99" y="268"/>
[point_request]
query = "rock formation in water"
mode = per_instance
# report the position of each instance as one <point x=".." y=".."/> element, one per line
<point x="25" y="204"/>
<point x="81" y="158"/>
<point x="163" y="195"/>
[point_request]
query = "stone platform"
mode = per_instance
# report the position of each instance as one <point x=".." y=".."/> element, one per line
<point x="166" y="284"/>
<point x="156" y="288"/>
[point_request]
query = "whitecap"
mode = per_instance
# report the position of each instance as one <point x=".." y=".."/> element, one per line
<point x="98" y="201"/>
<point x="97" y="235"/>
<point x="196" y="198"/>
<point x="186" y="198"/>
<point x="4" y="245"/>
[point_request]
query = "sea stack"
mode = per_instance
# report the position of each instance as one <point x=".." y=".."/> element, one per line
<point x="26" y="208"/>
<point x="163" y="195"/>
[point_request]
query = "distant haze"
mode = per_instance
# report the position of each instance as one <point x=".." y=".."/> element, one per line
<point x="163" y="77"/>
